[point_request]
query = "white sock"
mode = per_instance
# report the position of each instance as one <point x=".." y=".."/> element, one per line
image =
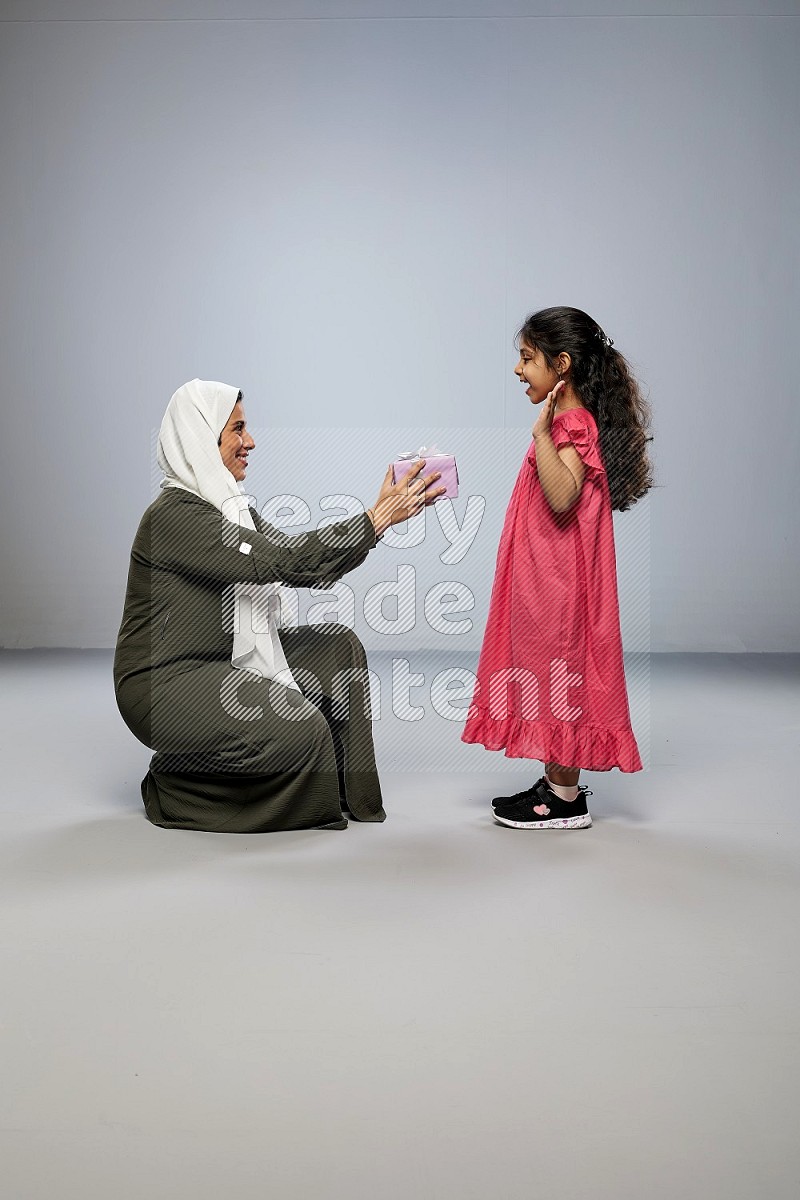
<point x="564" y="793"/>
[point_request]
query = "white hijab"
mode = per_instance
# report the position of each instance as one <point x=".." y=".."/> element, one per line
<point x="189" y="456"/>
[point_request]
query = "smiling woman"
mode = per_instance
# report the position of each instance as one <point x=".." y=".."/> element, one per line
<point x="282" y="757"/>
<point x="235" y="443"/>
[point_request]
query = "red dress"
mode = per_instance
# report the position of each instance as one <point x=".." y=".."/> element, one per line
<point x="550" y="680"/>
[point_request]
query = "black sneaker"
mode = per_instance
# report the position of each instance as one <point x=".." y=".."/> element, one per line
<point x="542" y="809"/>
<point x="505" y="800"/>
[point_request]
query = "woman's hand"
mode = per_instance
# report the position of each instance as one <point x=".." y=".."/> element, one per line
<point x="547" y="411"/>
<point x="399" y="501"/>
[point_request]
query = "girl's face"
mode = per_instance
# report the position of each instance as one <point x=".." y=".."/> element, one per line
<point x="236" y="443"/>
<point x="533" y="372"/>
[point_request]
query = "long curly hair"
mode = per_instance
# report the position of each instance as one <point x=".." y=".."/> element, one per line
<point x="604" y="382"/>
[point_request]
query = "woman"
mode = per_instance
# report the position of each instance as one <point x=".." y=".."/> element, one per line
<point x="246" y="720"/>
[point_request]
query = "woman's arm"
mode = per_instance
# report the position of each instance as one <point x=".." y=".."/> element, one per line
<point x="187" y="535"/>
<point x="320" y="557"/>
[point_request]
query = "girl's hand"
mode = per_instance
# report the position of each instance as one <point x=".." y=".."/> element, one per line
<point x="399" y="501"/>
<point x="548" y="409"/>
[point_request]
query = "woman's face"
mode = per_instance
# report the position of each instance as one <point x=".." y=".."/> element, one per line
<point x="236" y="443"/>
<point x="533" y="371"/>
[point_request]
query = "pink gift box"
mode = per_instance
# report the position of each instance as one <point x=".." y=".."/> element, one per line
<point x="434" y="461"/>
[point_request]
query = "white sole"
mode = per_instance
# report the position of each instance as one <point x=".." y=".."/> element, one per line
<point x="582" y="822"/>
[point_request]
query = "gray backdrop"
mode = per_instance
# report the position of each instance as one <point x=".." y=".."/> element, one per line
<point x="347" y="209"/>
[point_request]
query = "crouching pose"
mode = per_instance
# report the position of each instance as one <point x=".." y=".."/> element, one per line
<point x="254" y="728"/>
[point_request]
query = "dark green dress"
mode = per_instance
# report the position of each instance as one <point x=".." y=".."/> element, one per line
<point x="236" y="753"/>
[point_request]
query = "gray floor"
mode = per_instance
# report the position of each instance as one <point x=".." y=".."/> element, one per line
<point x="433" y="1007"/>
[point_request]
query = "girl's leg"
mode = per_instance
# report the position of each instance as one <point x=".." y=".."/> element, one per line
<point x="562" y="776"/>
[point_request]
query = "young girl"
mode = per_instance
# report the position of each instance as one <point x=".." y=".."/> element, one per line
<point x="550" y="680"/>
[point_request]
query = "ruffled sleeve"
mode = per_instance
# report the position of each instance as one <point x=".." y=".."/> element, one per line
<point x="576" y="427"/>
